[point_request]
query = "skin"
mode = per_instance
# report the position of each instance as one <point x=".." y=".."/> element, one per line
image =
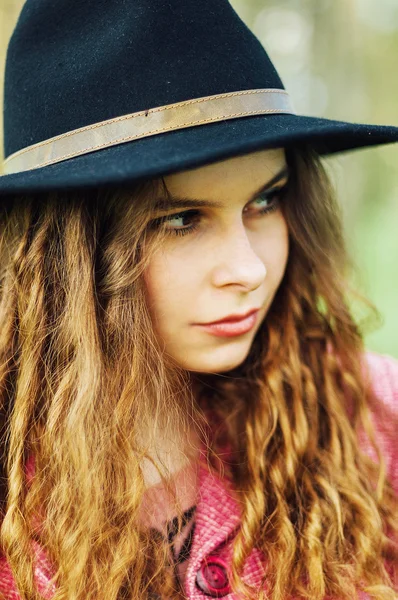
<point x="233" y="262"/>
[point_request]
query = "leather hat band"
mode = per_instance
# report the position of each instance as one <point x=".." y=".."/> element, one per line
<point x="154" y="121"/>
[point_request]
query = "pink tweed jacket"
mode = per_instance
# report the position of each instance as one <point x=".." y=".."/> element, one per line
<point x="217" y="514"/>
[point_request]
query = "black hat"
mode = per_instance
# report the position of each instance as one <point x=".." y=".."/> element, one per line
<point x="110" y="91"/>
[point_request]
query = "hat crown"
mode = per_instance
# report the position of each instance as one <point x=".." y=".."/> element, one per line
<point x="72" y="63"/>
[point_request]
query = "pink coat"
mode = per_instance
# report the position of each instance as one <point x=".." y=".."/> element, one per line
<point x="217" y="513"/>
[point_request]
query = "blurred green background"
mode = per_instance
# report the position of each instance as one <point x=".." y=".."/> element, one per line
<point x="338" y="59"/>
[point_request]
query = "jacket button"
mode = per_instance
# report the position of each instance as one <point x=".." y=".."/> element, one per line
<point x="212" y="577"/>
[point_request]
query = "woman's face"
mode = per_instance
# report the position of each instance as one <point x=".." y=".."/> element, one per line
<point x="231" y="261"/>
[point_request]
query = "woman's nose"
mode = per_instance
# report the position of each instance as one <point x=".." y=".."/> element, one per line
<point x="237" y="262"/>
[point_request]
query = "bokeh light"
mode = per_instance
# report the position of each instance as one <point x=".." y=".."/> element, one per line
<point x="381" y="15"/>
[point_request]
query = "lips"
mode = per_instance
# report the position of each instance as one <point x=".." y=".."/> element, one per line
<point x="233" y="318"/>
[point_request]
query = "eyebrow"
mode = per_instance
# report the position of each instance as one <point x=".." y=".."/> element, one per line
<point x="184" y="202"/>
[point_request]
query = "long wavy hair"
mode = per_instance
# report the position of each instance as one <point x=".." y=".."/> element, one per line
<point x="85" y="387"/>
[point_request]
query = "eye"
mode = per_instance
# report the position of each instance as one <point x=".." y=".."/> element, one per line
<point x="190" y="215"/>
<point x="271" y="197"/>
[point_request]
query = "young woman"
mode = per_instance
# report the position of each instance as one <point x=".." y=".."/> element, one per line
<point x="148" y="449"/>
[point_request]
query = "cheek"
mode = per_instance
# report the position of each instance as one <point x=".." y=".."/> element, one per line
<point x="167" y="279"/>
<point x="155" y="278"/>
<point x="283" y="246"/>
<point x="275" y="249"/>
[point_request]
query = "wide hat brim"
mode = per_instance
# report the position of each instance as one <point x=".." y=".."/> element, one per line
<point x="188" y="148"/>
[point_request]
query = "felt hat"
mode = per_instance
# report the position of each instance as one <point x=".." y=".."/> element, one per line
<point x="110" y="91"/>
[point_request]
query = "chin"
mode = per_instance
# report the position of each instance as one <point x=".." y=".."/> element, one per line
<point x="212" y="365"/>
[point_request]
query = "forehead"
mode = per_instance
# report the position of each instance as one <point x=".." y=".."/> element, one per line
<point x="241" y="173"/>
